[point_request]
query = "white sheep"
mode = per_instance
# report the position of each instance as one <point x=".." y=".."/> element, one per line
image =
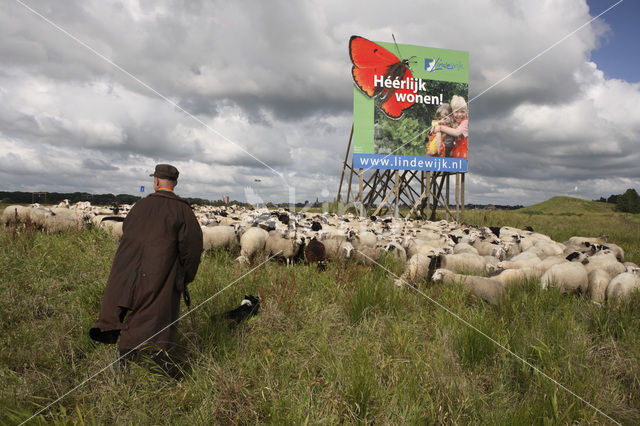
<point x="337" y="250"/>
<point x="548" y="248"/>
<point x="631" y="267"/>
<point x="548" y="262"/>
<point x="362" y="239"/>
<point x="38" y="216"/>
<point x="416" y="269"/>
<point x="485" y="248"/>
<point x="511" y="276"/>
<point x="414" y="245"/>
<point x="97" y="218"/>
<point x="464" y="248"/>
<point x="113" y="227"/>
<point x="580" y="241"/>
<point x="567" y="277"/>
<point x="523" y="260"/>
<point x="15" y="214"/>
<point x="368" y="255"/>
<point x="427" y="235"/>
<point x="617" y="251"/>
<point x="493" y="261"/>
<point x="219" y="236"/>
<point x="63" y="220"/>
<point x="606" y="261"/>
<point x="512" y="249"/>
<point x="282" y="247"/>
<point x="463" y="262"/>
<point x="490" y="290"/>
<point x="64" y="204"/>
<point x="397" y="251"/>
<point x="598" y="282"/>
<point x="621" y="287"/>
<point x="251" y="242"/>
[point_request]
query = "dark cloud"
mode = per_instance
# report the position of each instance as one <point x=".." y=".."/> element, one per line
<point x="91" y="164"/>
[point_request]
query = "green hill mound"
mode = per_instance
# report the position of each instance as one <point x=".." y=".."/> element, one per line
<point x="567" y="205"/>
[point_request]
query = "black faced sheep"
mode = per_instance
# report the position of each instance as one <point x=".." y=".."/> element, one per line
<point x="315" y="252"/>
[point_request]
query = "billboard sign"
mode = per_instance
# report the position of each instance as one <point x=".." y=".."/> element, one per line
<point x="409" y="107"/>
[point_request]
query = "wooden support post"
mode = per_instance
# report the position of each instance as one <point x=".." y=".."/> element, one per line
<point x="457" y="197"/>
<point x="428" y="185"/>
<point x="438" y="197"/>
<point x="360" y="195"/>
<point x="374" y="178"/>
<point x="437" y="194"/>
<point x="344" y="165"/>
<point x="385" y="187"/>
<point x="447" y="195"/>
<point x="349" y="186"/>
<point x="462" y="197"/>
<point x="397" y="189"/>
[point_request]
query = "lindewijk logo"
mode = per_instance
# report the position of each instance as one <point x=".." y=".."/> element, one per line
<point x="438" y="64"/>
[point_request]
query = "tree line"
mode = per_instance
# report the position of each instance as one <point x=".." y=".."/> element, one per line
<point x="628" y="202"/>
<point x="18" y="197"/>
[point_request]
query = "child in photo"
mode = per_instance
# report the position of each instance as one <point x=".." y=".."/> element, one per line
<point x="460" y="132"/>
<point x="436" y="141"/>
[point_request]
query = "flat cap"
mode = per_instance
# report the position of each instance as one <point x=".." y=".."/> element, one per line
<point x="165" y="171"/>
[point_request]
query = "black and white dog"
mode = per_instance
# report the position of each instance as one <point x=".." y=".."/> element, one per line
<point x="249" y="307"/>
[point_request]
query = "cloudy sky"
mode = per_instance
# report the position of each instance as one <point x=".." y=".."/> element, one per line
<point x="96" y="94"/>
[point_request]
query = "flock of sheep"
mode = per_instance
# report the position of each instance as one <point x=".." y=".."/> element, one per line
<point x="485" y="261"/>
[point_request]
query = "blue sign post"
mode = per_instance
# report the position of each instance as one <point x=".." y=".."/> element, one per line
<point x="142" y="188"/>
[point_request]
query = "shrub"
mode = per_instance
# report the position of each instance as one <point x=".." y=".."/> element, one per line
<point x="629" y="202"/>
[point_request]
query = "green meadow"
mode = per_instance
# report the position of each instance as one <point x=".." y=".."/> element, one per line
<point x="340" y="346"/>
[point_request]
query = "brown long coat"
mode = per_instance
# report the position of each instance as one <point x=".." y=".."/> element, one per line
<point x="158" y="256"/>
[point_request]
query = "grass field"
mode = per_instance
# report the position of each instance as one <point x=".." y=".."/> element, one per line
<point x="341" y="346"/>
